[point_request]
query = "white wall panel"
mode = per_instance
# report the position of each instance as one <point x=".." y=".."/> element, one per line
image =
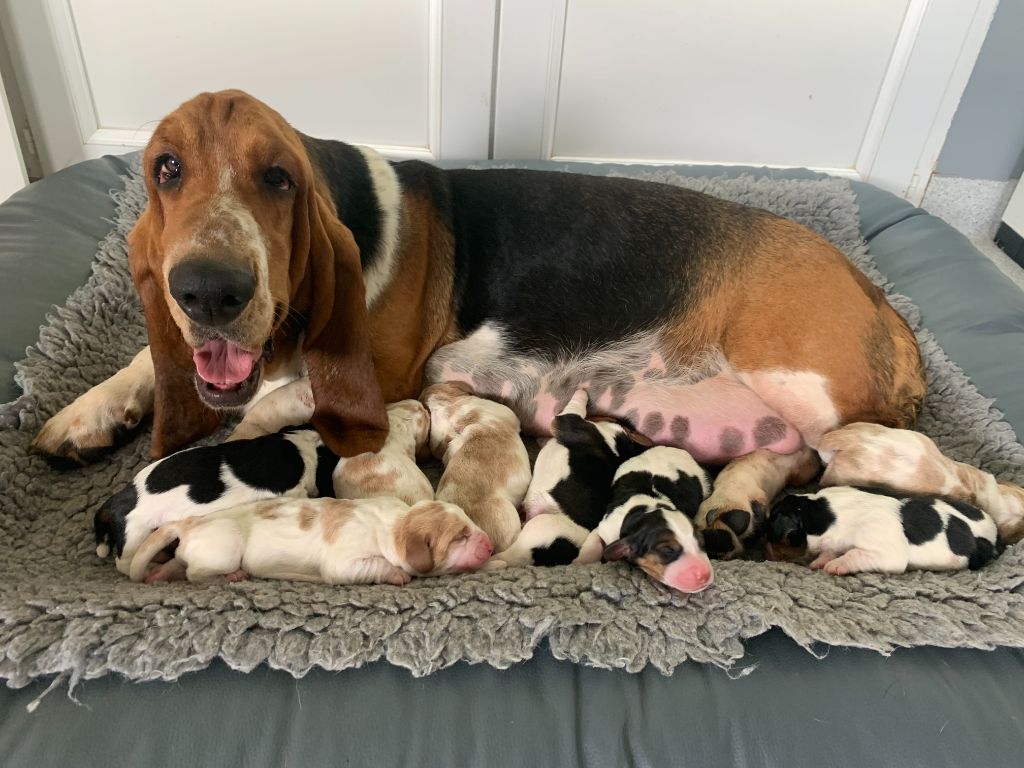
<point x="787" y="82"/>
<point x="322" y="65"/>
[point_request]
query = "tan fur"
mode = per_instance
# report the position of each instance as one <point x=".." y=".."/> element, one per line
<point x="874" y="455"/>
<point x="487" y="469"/>
<point x="334" y="517"/>
<point x="392" y="471"/>
<point x="411" y="319"/>
<point x="424" y="537"/>
<point x="796" y="303"/>
<point x="754" y="479"/>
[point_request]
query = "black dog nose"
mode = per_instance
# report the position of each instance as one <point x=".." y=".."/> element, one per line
<point x="211" y="293"/>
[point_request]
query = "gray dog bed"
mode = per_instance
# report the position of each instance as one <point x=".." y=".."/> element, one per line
<point x="64" y="611"/>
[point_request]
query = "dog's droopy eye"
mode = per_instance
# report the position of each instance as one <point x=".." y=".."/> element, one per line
<point x="278" y="178"/>
<point x="168" y="169"/>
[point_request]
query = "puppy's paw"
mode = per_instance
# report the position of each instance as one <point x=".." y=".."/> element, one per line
<point x="727" y="521"/>
<point x="398" y="578"/>
<point x="236" y="576"/>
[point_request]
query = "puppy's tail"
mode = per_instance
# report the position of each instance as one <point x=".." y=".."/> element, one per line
<point x="156" y="541"/>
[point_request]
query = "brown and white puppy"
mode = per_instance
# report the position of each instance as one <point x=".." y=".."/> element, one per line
<point x="391" y="471"/>
<point x="844" y="530"/>
<point x="486" y="466"/>
<point x="903" y="460"/>
<point x="334" y="541"/>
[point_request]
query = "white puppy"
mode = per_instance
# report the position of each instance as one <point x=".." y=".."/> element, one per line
<point x="335" y="541"/>
<point x="487" y="468"/>
<point x="392" y="471"/>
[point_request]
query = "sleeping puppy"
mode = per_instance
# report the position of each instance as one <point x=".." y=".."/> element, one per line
<point x="845" y="530"/>
<point x="571" y="486"/>
<point x="649" y="521"/>
<point x="574" y="470"/>
<point x="198" y="481"/>
<point x="392" y="471"/>
<point x="334" y="541"/>
<point x="486" y="466"/>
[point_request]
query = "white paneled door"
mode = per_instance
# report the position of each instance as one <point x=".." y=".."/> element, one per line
<point x="410" y="78"/>
<point x="861" y="89"/>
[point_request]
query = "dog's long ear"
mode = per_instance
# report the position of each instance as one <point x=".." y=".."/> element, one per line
<point x="349" y="409"/>
<point x="179" y="416"/>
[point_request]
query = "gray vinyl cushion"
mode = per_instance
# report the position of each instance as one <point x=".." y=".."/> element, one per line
<point x="922" y="707"/>
<point x="48" y="235"/>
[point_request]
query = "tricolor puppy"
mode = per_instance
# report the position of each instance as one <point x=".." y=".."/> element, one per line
<point x="335" y="541"/>
<point x="486" y="466"/>
<point x="845" y="530"/>
<point x="571" y="486"/>
<point x="391" y="471"/>
<point x="201" y="480"/>
<point x="654" y="498"/>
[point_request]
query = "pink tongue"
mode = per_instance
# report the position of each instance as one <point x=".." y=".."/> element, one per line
<point x="222" y="363"/>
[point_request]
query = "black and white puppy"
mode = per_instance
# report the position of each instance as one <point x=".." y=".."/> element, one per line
<point x="649" y="520"/>
<point x="197" y="481"/>
<point x="845" y="530"/>
<point x="571" y="486"/>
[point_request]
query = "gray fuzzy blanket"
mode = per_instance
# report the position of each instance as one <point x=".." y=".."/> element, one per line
<point x="64" y="611"/>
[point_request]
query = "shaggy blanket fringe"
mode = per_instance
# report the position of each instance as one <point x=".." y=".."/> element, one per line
<point x="63" y="611"/>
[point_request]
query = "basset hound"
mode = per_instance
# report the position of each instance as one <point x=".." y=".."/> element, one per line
<point x="264" y="254"/>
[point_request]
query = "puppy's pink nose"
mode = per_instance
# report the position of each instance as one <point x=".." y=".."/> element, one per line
<point x="482" y="545"/>
<point x="690" y="573"/>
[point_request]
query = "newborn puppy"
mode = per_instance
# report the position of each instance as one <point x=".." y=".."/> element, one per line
<point x="851" y="530"/>
<point x="335" y="541"/>
<point x="909" y="462"/>
<point x="486" y="466"/>
<point x="574" y="470"/>
<point x="201" y="480"/>
<point x="571" y="486"/>
<point x="392" y="471"/>
<point x="654" y="498"/>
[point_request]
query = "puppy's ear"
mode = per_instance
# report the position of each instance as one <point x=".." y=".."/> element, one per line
<point x="348" y="405"/>
<point x="418" y="553"/>
<point x="574" y="431"/>
<point x="641" y="440"/>
<point x="619" y="550"/>
<point x="179" y="416"/>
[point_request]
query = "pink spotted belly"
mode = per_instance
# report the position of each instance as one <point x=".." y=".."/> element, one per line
<point x="716" y="418"/>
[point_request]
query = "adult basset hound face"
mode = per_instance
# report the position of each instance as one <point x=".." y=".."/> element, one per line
<point x="239" y="253"/>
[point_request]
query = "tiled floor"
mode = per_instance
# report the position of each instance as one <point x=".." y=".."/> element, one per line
<point x="974" y="206"/>
<point x="1009" y="267"/>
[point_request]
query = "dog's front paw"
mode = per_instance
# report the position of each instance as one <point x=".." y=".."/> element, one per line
<point x="94" y="424"/>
